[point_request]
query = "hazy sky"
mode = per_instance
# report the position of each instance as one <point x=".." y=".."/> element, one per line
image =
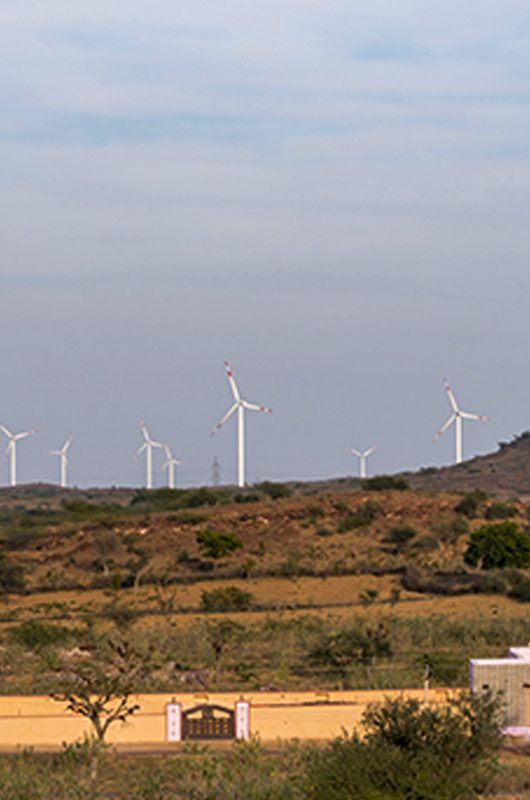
<point x="334" y="196"/>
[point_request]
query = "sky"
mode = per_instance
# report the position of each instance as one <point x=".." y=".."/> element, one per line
<point x="332" y="196"/>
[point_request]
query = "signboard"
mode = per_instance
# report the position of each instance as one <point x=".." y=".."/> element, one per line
<point x="208" y="722"/>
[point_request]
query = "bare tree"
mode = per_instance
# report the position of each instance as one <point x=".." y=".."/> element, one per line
<point x="100" y="686"/>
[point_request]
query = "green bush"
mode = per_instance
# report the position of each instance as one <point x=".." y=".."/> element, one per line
<point x="400" y="534"/>
<point x="216" y="545"/>
<point x="12" y="576"/>
<point x="469" y="504"/>
<point x="500" y="544"/>
<point x="174" y="499"/>
<point x="411" y="752"/>
<point x="247" y="497"/>
<point x="227" y="598"/>
<point x="521" y="592"/>
<point x="276" y="491"/>
<point x="500" y="511"/>
<point x="35" y="635"/>
<point x="381" y="483"/>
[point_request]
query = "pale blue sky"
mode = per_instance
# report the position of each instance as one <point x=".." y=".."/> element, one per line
<point x="332" y="196"/>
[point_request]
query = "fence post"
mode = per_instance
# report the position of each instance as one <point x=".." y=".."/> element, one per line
<point x="242" y="719"/>
<point x="173" y="721"/>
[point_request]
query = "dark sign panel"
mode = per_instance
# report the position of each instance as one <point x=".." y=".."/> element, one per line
<point x="208" y="722"/>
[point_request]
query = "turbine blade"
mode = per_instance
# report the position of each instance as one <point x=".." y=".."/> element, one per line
<point x="469" y="415"/>
<point x="355" y="452"/>
<point x="224" y="419"/>
<point x="255" y="407"/>
<point x="18" y="436"/>
<point x="232" y="382"/>
<point x="142" y="448"/>
<point x="444" y="427"/>
<point x="6" y="431"/>
<point x="369" y="451"/>
<point x="450" y="395"/>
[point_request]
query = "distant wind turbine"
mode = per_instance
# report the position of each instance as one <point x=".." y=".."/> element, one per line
<point x="240" y="406"/>
<point x="362" y="456"/>
<point x="170" y="465"/>
<point x="63" y="455"/>
<point x="457" y="416"/>
<point x="11" y="450"/>
<point x="148" y="446"/>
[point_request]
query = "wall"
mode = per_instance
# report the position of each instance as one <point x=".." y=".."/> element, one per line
<point x="41" y="722"/>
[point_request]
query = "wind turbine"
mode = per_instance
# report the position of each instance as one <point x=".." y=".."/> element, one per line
<point x="63" y="455"/>
<point x="362" y="456"/>
<point x="148" y="446"/>
<point x="170" y="465"/>
<point x="457" y="416"/>
<point x="11" y="450"/>
<point x="240" y="406"/>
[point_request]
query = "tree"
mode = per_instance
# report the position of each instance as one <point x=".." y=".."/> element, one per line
<point x="411" y="752"/>
<point x="338" y="651"/>
<point x="98" y="686"/>
<point x="216" y="545"/>
<point x="498" y="545"/>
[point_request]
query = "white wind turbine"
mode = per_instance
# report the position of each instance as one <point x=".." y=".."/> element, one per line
<point x="457" y="416"/>
<point x="362" y="456"/>
<point x="239" y="405"/>
<point x="170" y="465"/>
<point x="148" y="446"/>
<point x="63" y="455"/>
<point x="11" y="450"/>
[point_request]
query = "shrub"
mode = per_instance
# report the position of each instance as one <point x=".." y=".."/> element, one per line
<point x="500" y="511"/>
<point x="338" y="651"/>
<point x="174" y="499"/>
<point x="227" y="598"/>
<point x="380" y="483"/>
<point x="35" y="635"/>
<point x="469" y="504"/>
<point x="411" y="751"/>
<point x="216" y="545"/>
<point x="360" y="518"/>
<point x="500" y="544"/>
<point x="400" y="534"/>
<point x="322" y="530"/>
<point x="315" y="512"/>
<point x="521" y="592"/>
<point x="12" y="577"/>
<point x="247" y="497"/>
<point x="276" y="491"/>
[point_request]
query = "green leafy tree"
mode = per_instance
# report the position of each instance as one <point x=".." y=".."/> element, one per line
<point x="217" y="545"/>
<point x="411" y="752"/>
<point x="498" y="545"/>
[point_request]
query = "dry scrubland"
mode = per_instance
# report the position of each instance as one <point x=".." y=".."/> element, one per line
<point x="274" y="587"/>
<point x="264" y="588"/>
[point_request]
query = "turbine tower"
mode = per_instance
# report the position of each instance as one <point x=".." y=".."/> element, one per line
<point x="362" y="456"/>
<point x="170" y="465"/>
<point x="457" y="416"/>
<point x="240" y="406"/>
<point x="148" y="446"/>
<point x="63" y="455"/>
<point x="11" y="451"/>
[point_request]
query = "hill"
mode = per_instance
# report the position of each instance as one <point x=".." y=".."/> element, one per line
<point x="506" y="471"/>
